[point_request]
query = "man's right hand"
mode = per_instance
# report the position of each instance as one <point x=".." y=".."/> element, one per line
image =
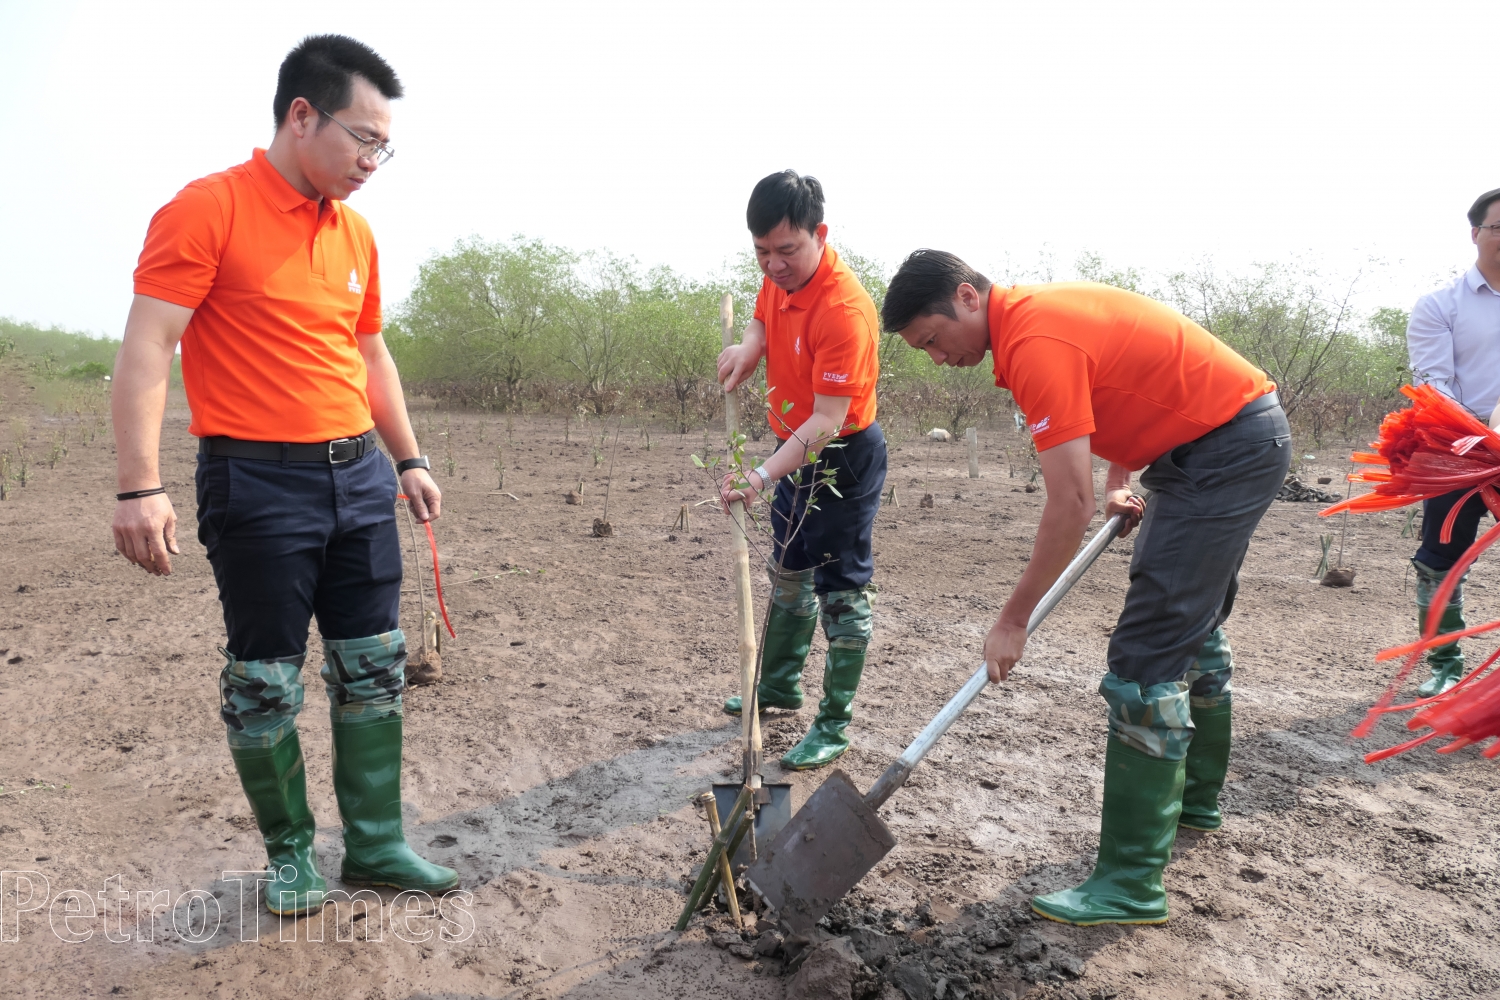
<point x="737" y="363"/>
<point x="146" y="532"/>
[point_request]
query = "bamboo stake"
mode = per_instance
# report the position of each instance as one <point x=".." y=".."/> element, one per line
<point x="725" y="874"/>
<point x="738" y="824"/>
<point x="740" y="553"/>
<point x="973" y="437"/>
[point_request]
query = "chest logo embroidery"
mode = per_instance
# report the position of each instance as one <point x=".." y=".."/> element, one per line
<point x="354" y="285"/>
<point x="797" y="345"/>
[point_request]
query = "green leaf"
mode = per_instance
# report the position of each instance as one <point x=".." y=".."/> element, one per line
<point x="786" y="405"/>
<point x="697" y="461"/>
<point x="834" y="490"/>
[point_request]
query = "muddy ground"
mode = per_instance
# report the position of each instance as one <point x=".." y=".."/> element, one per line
<point x="554" y="767"/>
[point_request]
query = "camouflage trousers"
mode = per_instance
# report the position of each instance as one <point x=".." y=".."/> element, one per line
<point x="1158" y="719"/>
<point x="259" y="699"/>
<point x="847" y="615"/>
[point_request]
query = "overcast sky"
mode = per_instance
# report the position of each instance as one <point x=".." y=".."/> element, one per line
<point x="1158" y="135"/>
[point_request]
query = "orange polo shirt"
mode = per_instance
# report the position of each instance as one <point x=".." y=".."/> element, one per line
<point x="1140" y="378"/>
<point x="824" y="339"/>
<point x="280" y="289"/>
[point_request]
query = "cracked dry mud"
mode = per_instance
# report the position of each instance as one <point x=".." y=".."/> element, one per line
<point x="554" y="767"/>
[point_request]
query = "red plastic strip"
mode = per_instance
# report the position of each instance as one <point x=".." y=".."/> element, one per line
<point x="1375" y="755"/>
<point x="437" y="578"/>
<point x="437" y="574"/>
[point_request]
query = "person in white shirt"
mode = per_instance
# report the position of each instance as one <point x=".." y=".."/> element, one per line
<point x="1453" y="341"/>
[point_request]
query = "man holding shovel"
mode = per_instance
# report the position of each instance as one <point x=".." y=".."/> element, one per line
<point x="272" y="287"/>
<point x="817" y="329"/>
<point x="1101" y="371"/>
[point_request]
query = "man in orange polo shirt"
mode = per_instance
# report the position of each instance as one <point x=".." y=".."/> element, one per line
<point x="272" y="286"/>
<point x="817" y="329"/>
<point x="1099" y="370"/>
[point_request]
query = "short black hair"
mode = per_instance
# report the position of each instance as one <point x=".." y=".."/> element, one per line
<point x="1481" y="206"/>
<point x="785" y="195"/>
<point x="321" y="70"/>
<point x="926" y="284"/>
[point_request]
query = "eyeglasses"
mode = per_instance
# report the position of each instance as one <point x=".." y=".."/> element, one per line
<point x="1494" y="229"/>
<point x="369" y="148"/>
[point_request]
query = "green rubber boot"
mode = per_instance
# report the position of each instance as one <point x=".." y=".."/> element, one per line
<point x="1205" y="766"/>
<point x="1210" y="695"/>
<point x="1142" y="797"/>
<point x="847" y="624"/>
<point x="367" y="780"/>
<point x="275" y="782"/>
<point x="1445" y="662"/>
<point x="788" y="637"/>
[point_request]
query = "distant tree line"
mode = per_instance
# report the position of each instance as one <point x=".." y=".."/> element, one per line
<point x="523" y="325"/>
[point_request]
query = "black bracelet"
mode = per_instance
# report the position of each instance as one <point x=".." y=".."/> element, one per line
<point x="137" y="494"/>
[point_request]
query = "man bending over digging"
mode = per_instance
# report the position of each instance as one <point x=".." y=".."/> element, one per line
<point x="272" y="286"/>
<point x="1102" y="371"/>
<point x="817" y="329"/>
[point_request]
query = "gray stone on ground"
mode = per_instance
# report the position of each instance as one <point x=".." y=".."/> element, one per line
<point x="833" y="971"/>
<point x="1030" y="947"/>
<point x="913" y="980"/>
<point x="1068" y="964"/>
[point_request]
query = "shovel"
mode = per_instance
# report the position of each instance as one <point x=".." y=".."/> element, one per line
<point x="770" y="803"/>
<point x="838" y="835"/>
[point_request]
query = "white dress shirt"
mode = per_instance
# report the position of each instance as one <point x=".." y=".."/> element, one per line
<point x="1453" y="341"/>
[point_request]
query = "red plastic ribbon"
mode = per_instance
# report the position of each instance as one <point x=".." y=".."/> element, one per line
<point x="437" y="574"/>
<point x="1429" y="449"/>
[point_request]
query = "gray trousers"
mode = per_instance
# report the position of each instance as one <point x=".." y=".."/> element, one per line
<point x="1207" y="496"/>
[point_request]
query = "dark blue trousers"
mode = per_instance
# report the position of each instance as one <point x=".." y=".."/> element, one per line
<point x="1207" y="496"/>
<point x="835" y="538"/>
<point x="287" y="542"/>
<point x="1433" y="552"/>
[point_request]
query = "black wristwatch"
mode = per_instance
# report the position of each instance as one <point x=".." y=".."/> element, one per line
<point x="420" y="462"/>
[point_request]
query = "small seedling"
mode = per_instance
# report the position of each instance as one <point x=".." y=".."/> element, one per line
<point x="681" y="524"/>
<point x="1408" y="526"/>
<point x="499" y="467"/>
<point x="602" y="527"/>
<point x="890" y="499"/>
<point x="448" y="462"/>
<point x="1326" y="541"/>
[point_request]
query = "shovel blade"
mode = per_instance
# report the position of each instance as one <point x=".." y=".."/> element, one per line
<point x="832" y="843"/>
<point x="769" y="819"/>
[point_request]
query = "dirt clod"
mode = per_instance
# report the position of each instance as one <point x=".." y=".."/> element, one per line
<point x="833" y="971"/>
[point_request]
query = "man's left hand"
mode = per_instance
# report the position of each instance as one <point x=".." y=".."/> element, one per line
<point x="1122" y="501"/>
<point x="422" y="494"/>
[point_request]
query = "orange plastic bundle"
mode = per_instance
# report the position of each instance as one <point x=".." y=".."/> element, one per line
<point x="1429" y="449"/>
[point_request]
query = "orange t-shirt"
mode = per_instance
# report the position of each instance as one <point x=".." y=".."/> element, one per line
<point x="1141" y="379"/>
<point x="824" y="339"/>
<point x="279" y="291"/>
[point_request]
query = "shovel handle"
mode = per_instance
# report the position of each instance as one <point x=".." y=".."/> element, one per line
<point x="895" y="776"/>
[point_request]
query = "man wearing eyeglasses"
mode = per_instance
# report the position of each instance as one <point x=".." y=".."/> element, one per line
<point x="272" y="287"/>
<point x="1453" y="340"/>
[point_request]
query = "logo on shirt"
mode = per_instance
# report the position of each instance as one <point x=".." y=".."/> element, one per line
<point x="797" y="345"/>
<point x="354" y="285"/>
<point x="1041" y="425"/>
<point x="835" y="377"/>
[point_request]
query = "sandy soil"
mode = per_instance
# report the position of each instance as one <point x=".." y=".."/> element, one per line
<point x="554" y="767"/>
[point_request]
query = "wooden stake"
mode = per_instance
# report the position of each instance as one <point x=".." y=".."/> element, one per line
<point x="973" y="436"/>
<point x="744" y="598"/>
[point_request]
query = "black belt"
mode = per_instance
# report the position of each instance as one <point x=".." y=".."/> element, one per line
<point x="333" y="452"/>
<point x="1255" y="406"/>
